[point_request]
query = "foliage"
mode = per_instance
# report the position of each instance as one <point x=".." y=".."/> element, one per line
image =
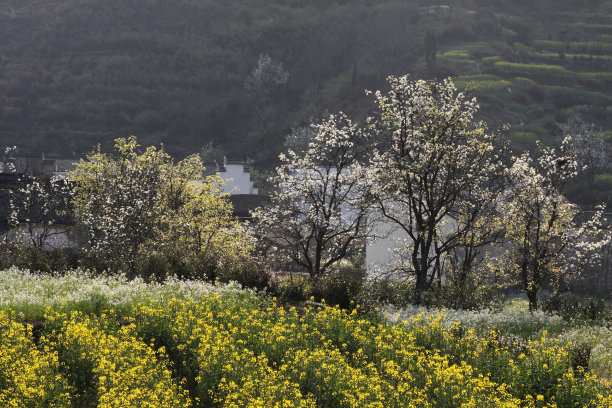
<point x="573" y="307"/>
<point x="35" y="259"/>
<point x="134" y="205"/>
<point x="400" y="294"/>
<point x="338" y="287"/>
<point x="292" y="288"/>
<point x="248" y="273"/>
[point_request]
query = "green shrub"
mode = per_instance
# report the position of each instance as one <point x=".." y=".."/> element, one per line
<point x="339" y="287"/>
<point x="35" y="259"/>
<point x="573" y="307"/>
<point x="247" y="273"/>
<point x="293" y="288"/>
<point x="382" y="292"/>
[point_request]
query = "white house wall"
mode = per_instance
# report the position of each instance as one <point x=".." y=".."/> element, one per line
<point x="237" y="180"/>
<point x="60" y="237"/>
<point x="385" y="244"/>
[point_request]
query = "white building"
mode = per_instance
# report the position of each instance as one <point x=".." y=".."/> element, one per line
<point x="385" y="245"/>
<point x="236" y="176"/>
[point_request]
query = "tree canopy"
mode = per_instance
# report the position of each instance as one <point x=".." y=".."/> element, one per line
<point x="134" y="202"/>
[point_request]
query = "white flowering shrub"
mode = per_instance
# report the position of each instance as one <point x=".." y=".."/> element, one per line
<point x="36" y="209"/>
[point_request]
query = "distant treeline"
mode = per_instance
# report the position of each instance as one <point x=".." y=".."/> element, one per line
<point x="77" y="72"/>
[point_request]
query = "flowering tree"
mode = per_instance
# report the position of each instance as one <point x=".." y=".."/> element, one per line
<point x="548" y="240"/>
<point x="432" y="172"/>
<point x="266" y="76"/>
<point x="37" y="206"/>
<point x="589" y="146"/>
<point x="203" y="227"/>
<point x="133" y="202"/>
<point x="318" y="210"/>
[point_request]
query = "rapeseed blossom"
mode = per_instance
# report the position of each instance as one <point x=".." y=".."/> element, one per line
<point x="243" y="351"/>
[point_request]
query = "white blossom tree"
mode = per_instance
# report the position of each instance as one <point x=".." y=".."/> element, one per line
<point x="37" y="207"/>
<point x="266" y="76"/>
<point x="549" y="240"/>
<point x="134" y="202"/>
<point x="589" y="146"/>
<point x="318" y="210"/>
<point x="433" y="168"/>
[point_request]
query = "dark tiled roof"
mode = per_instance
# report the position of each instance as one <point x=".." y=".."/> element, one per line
<point x="210" y="169"/>
<point x="244" y="203"/>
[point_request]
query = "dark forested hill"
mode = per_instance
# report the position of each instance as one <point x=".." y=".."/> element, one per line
<point x="77" y="72"/>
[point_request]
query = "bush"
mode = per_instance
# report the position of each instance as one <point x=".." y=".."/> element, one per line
<point x="247" y="273"/>
<point x="573" y="307"/>
<point x="401" y="294"/>
<point x="382" y="292"/>
<point x="293" y="288"/>
<point x="98" y="262"/>
<point x="157" y="266"/>
<point x="35" y="259"/>
<point x="449" y="295"/>
<point x="339" y="287"/>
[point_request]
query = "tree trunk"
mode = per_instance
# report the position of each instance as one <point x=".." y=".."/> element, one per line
<point x="532" y="295"/>
<point x="421" y="280"/>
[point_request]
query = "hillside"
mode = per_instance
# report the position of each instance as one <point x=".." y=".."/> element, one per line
<point x="75" y="73"/>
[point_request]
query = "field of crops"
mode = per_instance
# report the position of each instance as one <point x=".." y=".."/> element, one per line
<point x="227" y="347"/>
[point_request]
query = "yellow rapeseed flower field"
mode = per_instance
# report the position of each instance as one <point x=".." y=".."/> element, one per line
<point x="219" y="351"/>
